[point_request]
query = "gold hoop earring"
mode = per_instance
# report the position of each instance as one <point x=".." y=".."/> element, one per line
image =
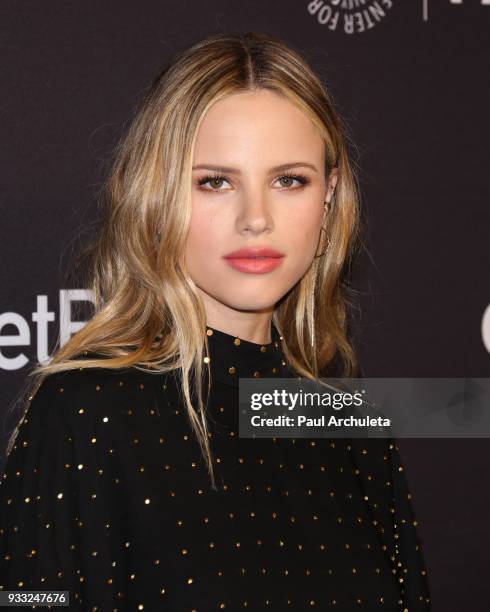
<point x="326" y="246"/>
<point x="325" y="205"/>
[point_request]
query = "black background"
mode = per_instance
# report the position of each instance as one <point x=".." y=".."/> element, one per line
<point x="414" y="93"/>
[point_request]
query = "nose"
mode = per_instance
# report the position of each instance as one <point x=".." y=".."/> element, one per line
<point x="255" y="215"/>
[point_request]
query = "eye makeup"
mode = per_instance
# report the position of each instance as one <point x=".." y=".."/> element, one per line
<point x="302" y="179"/>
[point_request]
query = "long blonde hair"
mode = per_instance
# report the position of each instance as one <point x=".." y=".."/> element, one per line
<point x="148" y="313"/>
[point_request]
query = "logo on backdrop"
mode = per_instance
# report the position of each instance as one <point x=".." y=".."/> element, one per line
<point x="24" y="338"/>
<point x="485" y="328"/>
<point x="349" y="16"/>
<point x="355" y="16"/>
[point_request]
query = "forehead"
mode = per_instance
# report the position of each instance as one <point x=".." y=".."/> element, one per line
<point x="256" y="125"/>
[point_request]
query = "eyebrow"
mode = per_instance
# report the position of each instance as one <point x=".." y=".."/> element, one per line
<point x="280" y="168"/>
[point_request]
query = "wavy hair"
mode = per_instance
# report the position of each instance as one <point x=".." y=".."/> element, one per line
<point x="148" y="313"/>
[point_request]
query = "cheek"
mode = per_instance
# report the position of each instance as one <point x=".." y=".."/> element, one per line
<point x="303" y="234"/>
<point x="201" y="236"/>
<point x="203" y="246"/>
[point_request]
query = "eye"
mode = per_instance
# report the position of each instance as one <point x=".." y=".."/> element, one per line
<point x="213" y="180"/>
<point x="289" y="178"/>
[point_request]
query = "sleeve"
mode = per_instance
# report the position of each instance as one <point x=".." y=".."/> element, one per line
<point x="399" y="521"/>
<point x="55" y="512"/>
<point x="408" y="547"/>
<point x="379" y="468"/>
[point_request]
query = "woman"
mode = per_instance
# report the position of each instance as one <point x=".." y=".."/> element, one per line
<point x="223" y="256"/>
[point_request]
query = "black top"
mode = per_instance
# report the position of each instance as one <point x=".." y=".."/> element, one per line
<point x="106" y="495"/>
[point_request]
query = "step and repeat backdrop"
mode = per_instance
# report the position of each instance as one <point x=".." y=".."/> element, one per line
<point x="410" y="79"/>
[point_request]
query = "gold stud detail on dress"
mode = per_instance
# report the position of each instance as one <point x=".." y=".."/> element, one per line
<point x="237" y="341"/>
<point x="263" y="349"/>
<point x="232" y="370"/>
<point x="207" y="359"/>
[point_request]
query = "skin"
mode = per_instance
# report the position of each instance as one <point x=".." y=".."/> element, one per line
<point x="253" y="132"/>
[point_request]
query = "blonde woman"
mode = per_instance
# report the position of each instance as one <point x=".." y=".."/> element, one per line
<point x="232" y="213"/>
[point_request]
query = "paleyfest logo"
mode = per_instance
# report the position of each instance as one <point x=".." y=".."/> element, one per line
<point x="353" y="16"/>
<point x="349" y="16"/>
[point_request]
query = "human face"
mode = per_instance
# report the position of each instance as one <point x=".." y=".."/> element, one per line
<point x="250" y="205"/>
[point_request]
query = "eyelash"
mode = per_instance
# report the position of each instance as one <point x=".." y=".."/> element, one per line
<point x="301" y="178"/>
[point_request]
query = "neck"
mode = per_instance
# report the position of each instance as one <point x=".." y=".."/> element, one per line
<point x="252" y="326"/>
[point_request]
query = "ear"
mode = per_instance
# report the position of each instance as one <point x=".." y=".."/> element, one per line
<point x="331" y="183"/>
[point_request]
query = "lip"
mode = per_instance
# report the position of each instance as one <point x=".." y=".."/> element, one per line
<point x="255" y="260"/>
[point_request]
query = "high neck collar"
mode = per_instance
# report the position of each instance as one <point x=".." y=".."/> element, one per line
<point x="232" y="358"/>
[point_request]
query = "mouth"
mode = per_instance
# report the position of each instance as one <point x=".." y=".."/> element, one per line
<point x="254" y="260"/>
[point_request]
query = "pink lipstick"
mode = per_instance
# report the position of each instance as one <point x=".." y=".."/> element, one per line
<point x="256" y="260"/>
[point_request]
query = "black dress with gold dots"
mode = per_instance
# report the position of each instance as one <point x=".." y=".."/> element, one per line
<point x="105" y="495"/>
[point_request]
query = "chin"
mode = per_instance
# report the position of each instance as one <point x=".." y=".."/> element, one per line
<point x="248" y="302"/>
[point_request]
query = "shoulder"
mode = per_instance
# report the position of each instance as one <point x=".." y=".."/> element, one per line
<point x="88" y="381"/>
<point x="77" y="402"/>
<point x="63" y="396"/>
